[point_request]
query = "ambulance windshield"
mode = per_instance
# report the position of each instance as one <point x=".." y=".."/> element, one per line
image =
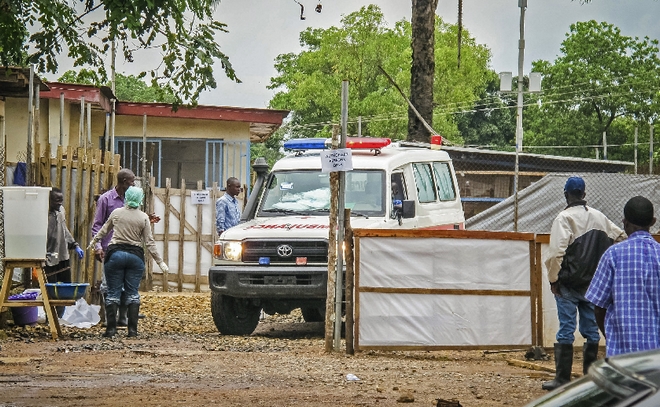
<point x="308" y="193"/>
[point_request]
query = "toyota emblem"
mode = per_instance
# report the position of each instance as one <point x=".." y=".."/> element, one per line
<point x="284" y="250"/>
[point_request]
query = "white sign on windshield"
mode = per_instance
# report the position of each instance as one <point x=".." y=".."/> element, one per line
<point x="336" y="160"/>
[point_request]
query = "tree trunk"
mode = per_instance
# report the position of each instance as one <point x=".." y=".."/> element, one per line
<point x="422" y="71"/>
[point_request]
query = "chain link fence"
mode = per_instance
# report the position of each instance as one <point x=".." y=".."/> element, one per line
<point x="487" y="181"/>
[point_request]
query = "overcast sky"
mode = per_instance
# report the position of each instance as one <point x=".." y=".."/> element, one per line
<point x="259" y="30"/>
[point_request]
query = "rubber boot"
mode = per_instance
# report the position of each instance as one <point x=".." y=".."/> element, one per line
<point x="122" y="317"/>
<point x="103" y="311"/>
<point x="133" y="311"/>
<point x="563" y="366"/>
<point x="111" y="320"/>
<point x="589" y="355"/>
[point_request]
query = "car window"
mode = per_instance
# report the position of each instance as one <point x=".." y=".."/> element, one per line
<point x="444" y="181"/>
<point x="424" y="181"/>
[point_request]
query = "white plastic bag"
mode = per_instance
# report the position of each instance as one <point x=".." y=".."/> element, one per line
<point x="41" y="315"/>
<point x="81" y="315"/>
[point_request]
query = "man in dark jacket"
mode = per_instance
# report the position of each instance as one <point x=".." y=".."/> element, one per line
<point x="579" y="237"/>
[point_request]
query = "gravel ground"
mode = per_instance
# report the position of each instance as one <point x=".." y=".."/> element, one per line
<point x="179" y="358"/>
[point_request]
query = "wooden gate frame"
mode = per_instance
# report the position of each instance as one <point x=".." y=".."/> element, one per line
<point x="205" y="241"/>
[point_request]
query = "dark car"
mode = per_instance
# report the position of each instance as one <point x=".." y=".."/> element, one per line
<point x="624" y="380"/>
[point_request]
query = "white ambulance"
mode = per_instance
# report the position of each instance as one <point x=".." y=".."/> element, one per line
<point x="276" y="261"/>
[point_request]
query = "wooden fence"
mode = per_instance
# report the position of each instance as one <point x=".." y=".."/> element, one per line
<point x="187" y="234"/>
<point x="81" y="174"/>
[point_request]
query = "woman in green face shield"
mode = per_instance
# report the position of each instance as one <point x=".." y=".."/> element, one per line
<point x="124" y="260"/>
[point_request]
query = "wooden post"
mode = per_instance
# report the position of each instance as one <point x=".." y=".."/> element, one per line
<point x="198" y="238"/>
<point x="80" y="221"/>
<point x="348" y="244"/>
<point x="36" y="164"/>
<point x="58" y="168"/>
<point x="46" y="166"/>
<point x="332" y="253"/>
<point x="182" y="235"/>
<point x="86" y="209"/>
<point x="537" y="286"/>
<point x="147" y="282"/>
<point x="215" y="194"/>
<point x="166" y="233"/>
<point x="68" y="202"/>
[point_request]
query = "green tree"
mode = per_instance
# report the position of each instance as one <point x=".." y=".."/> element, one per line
<point x="128" y="88"/>
<point x="492" y="119"/>
<point x="309" y="83"/>
<point x="184" y="32"/>
<point x="600" y="76"/>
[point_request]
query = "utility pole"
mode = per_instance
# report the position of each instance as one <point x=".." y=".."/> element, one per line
<point x="519" y="129"/>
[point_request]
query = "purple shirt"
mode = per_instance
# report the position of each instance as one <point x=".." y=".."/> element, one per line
<point x="627" y="284"/>
<point x="107" y="203"/>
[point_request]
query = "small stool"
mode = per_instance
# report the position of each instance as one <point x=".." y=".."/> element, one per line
<point x="48" y="304"/>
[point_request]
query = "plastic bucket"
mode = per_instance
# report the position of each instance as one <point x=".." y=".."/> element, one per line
<point x="24" y="315"/>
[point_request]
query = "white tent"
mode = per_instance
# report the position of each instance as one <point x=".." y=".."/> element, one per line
<point x="539" y="203"/>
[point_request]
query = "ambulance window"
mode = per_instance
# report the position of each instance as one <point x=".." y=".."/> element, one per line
<point x="444" y="181"/>
<point x="424" y="182"/>
<point x="398" y="188"/>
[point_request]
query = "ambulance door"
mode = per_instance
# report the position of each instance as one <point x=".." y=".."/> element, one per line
<point x="398" y="190"/>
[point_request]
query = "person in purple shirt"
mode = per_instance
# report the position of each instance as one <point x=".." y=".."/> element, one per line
<point x="108" y="202"/>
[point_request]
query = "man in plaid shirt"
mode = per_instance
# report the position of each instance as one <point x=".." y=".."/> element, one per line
<point x="626" y="286"/>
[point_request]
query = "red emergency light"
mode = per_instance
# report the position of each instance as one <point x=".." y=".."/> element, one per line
<point x="436" y="141"/>
<point x="368" y="143"/>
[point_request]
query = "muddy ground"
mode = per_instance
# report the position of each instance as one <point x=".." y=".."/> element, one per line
<point x="179" y="358"/>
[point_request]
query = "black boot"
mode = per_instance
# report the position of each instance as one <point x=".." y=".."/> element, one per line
<point x="110" y="320"/>
<point x="589" y="355"/>
<point x="563" y="366"/>
<point x="122" y="318"/>
<point x="133" y="311"/>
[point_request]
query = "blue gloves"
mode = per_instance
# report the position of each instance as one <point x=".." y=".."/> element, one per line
<point x="80" y="252"/>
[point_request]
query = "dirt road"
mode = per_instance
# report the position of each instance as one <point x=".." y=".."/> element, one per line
<point x="180" y="359"/>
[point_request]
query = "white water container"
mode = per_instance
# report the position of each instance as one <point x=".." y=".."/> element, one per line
<point x="26" y="221"/>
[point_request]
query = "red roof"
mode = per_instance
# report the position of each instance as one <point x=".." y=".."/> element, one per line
<point x="101" y="96"/>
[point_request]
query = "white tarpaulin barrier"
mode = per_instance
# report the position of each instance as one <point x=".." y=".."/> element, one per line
<point x="550" y="318"/>
<point x="473" y="291"/>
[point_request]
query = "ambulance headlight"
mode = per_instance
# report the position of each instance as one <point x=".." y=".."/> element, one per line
<point x="228" y="250"/>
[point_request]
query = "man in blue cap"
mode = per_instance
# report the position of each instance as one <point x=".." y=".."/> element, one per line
<point x="579" y="237"/>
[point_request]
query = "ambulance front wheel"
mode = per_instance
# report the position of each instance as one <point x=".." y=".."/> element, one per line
<point x="234" y="316"/>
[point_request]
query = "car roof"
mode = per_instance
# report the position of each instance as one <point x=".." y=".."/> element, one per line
<point x="390" y="157"/>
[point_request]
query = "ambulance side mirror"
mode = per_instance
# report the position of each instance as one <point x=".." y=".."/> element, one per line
<point x="408" y="209"/>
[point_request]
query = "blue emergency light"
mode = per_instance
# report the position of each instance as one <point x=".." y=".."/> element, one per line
<point x="305" y="144"/>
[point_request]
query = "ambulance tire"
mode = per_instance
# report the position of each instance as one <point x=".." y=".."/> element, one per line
<point x="313" y="314"/>
<point x="234" y="316"/>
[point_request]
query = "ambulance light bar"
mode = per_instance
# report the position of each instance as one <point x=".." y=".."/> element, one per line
<point x="368" y="143"/>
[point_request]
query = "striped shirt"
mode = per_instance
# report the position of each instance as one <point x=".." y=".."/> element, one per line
<point x="627" y="285"/>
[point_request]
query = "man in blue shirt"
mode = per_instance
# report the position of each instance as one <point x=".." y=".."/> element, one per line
<point x="227" y="213"/>
<point x="626" y="286"/>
